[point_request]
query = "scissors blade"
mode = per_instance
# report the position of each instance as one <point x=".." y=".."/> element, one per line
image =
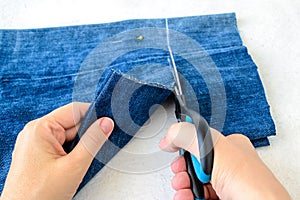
<point x="178" y="89"/>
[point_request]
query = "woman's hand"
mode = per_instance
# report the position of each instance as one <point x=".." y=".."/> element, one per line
<point x="238" y="172"/>
<point x="40" y="167"/>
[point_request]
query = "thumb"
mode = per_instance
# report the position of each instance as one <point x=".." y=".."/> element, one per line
<point x="181" y="136"/>
<point x="91" y="142"/>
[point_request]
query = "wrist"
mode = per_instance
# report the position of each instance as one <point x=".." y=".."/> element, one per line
<point x="249" y="179"/>
<point x="239" y="173"/>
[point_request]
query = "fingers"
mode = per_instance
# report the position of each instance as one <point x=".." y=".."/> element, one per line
<point x="209" y="192"/>
<point x="69" y="115"/>
<point x="181" y="136"/>
<point x="181" y="181"/>
<point x="72" y="132"/>
<point x="185" y="194"/>
<point x="91" y="142"/>
<point x="178" y="165"/>
<point x="184" y="136"/>
<point x="63" y="122"/>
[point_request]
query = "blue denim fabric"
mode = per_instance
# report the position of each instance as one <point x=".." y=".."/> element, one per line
<point x="144" y="96"/>
<point x="39" y="67"/>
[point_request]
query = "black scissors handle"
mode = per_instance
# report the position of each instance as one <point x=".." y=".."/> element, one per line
<point x="199" y="172"/>
<point x="205" y="144"/>
<point x="195" y="184"/>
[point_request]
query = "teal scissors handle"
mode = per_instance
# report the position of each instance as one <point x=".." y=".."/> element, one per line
<point x="198" y="171"/>
<point x="196" y="185"/>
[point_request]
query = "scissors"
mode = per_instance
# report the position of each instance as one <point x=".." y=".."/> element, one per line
<point x="199" y="172"/>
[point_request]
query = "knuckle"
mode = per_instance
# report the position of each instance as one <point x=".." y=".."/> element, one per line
<point x="30" y="124"/>
<point x="172" y="132"/>
<point x="240" y="137"/>
<point x="50" y="125"/>
<point x="244" y="138"/>
<point x="41" y="125"/>
<point x="29" y="127"/>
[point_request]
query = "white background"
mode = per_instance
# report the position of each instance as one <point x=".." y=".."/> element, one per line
<point x="270" y="30"/>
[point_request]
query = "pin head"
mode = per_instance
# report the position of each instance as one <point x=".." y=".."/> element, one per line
<point x="140" y="38"/>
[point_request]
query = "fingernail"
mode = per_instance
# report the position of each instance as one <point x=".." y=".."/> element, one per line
<point x="106" y="124"/>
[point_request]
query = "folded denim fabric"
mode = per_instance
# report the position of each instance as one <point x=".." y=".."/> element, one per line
<point x="42" y="69"/>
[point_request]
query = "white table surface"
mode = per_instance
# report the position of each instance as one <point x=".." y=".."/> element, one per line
<point x="270" y="30"/>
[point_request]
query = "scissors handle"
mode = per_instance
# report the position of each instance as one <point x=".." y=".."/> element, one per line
<point x="199" y="172"/>
<point x="196" y="185"/>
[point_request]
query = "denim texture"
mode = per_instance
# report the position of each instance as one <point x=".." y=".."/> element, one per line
<point x="39" y="68"/>
<point x="144" y="96"/>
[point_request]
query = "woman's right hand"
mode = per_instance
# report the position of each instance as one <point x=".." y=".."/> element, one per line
<point x="238" y="172"/>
